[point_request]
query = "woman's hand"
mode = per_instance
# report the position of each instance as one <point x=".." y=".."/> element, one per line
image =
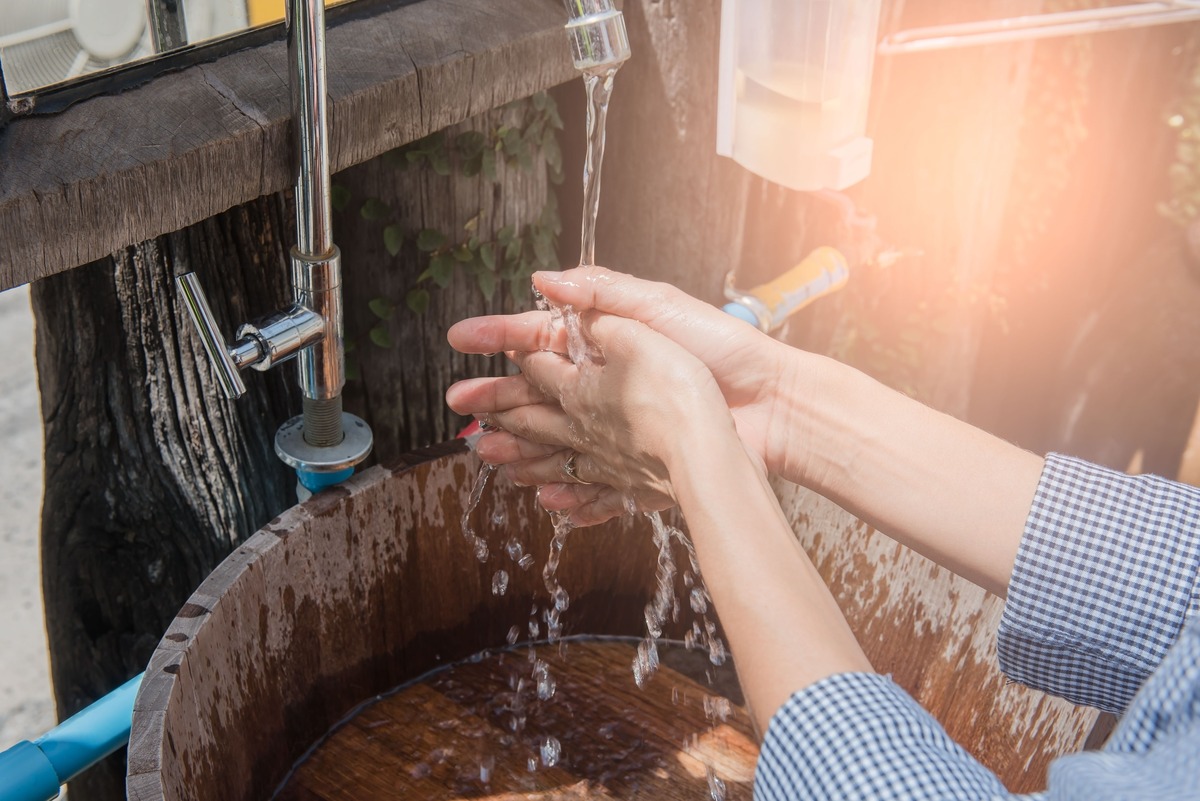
<point x="615" y="414"/>
<point x="764" y="382"/>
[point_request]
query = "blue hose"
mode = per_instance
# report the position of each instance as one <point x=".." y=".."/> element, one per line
<point x="35" y="771"/>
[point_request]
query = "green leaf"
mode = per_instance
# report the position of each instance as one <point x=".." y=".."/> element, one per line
<point x="440" y="162"/>
<point x="374" y="209"/>
<point x="380" y="336"/>
<point x="381" y="308"/>
<point x="552" y="153"/>
<point x="487" y="163"/>
<point x="487" y="283"/>
<point x="393" y="238"/>
<point x="463" y="254"/>
<point x="470" y="144"/>
<point x="414" y="156"/>
<point x="487" y="254"/>
<point x="525" y="159"/>
<point x="512" y="142"/>
<point x="430" y="239"/>
<point x="539" y="100"/>
<point x="512" y="251"/>
<point x="417" y="300"/>
<point x="471" y="225"/>
<point x="472" y="166"/>
<point x="441" y="269"/>
<point x="505" y="235"/>
<point x="543" y="248"/>
<point x="339" y="196"/>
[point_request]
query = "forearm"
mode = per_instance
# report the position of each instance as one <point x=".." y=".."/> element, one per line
<point x="784" y="627"/>
<point x="946" y="489"/>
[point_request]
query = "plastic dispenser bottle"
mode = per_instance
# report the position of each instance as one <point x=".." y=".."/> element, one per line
<point x="795" y="76"/>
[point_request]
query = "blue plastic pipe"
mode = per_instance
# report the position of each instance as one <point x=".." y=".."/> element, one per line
<point x="35" y="771"/>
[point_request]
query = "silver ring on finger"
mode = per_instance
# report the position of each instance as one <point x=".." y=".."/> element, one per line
<point x="568" y="469"/>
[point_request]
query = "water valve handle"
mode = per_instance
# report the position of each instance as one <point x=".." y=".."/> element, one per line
<point x="823" y="272"/>
<point x="222" y="359"/>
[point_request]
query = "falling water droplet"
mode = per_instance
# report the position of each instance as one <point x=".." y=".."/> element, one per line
<point x="514" y="634"/>
<point x="716" y="787"/>
<point x="551" y="751"/>
<point x="500" y="582"/>
<point x="486" y="765"/>
<point x="514" y="549"/>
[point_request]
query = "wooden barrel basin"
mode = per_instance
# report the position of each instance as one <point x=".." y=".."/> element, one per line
<point x="372" y="585"/>
<point x="366" y="587"/>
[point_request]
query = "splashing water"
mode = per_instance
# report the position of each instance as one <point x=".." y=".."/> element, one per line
<point x="478" y="545"/>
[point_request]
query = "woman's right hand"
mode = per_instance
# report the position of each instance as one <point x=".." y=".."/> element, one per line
<point x="757" y="375"/>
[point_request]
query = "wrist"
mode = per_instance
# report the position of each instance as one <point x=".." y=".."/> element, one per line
<point x="811" y="442"/>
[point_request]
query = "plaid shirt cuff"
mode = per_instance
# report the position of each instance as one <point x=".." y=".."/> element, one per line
<point x="857" y="736"/>
<point x="1105" y="577"/>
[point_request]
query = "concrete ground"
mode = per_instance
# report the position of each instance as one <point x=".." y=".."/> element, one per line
<point x="26" y="702"/>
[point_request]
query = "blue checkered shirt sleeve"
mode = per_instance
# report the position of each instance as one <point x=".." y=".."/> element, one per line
<point x="1104" y="579"/>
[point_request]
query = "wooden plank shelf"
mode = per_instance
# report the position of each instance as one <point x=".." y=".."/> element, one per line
<point x="115" y="170"/>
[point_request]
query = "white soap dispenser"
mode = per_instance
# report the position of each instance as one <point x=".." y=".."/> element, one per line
<point x="795" y="77"/>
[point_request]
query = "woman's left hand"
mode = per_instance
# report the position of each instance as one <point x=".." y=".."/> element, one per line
<point x="610" y="420"/>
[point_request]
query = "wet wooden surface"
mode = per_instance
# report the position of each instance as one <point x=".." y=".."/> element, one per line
<point x="935" y="634"/>
<point x="452" y="735"/>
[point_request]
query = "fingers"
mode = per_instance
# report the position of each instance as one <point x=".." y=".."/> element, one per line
<point x="501" y="447"/>
<point x="550" y="469"/>
<point x="505" y="332"/>
<point x="485" y="395"/>
<point x="547" y="372"/>
<point x="587" y="505"/>
<point x="663" y="307"/>
<point x="543" y="423"/>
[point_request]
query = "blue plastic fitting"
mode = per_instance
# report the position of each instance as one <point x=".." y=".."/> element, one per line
<point x="35" y="771"/>
<point x="315" y="482"/>
<point x="26" y="774"/>
<point x="741" y="312"/>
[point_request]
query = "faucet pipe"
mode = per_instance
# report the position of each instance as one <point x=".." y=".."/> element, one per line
<point x="324" y="443"/>
<point x="34" y="771"/>
<point x="316" y="265"/>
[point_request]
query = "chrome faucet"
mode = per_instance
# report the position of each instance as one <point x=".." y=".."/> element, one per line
<point x="324" y="443"/>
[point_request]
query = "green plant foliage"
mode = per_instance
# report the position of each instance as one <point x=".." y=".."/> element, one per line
<point x="381" y="308"/>
<point x="393" y="238"/>
<point x="429" y="240"/>
<point x="417" y="300"/>
<point x="380" y="336"/>
<point x="508" y="255"/>
<point x="374" y="209"/>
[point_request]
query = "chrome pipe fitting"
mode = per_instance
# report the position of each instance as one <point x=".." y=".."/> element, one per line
<point x="283" y="335"/>
<point x="318" y="286"/>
